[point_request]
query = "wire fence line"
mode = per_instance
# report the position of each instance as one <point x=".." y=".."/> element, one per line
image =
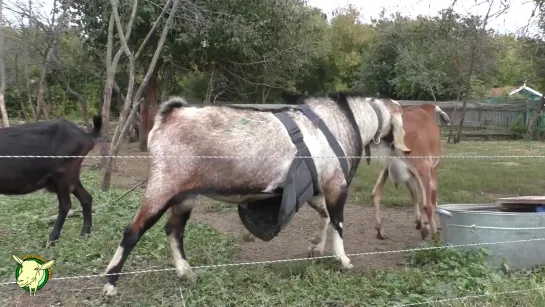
<point x="238" y="264"/>
<point x="286" y="157"/>
<point x="473" y="296"/>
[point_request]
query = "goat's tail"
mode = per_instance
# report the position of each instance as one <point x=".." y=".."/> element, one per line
<point x="167" y="107"/>
<point x="171" y="104"/>
<point x="97" y="126"/>
<point x="443" y="116"/>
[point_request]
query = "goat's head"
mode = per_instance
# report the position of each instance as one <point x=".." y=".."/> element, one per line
<point x="396" y="121"/>
<point x="30" y="270"/>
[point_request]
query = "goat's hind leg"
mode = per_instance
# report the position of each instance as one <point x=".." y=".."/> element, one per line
<point x="412" y="185"/>
<point x="174" y="229"/>
<point x="375" y="196"/>
<point x="317" y="244"/>
<point x="86" y="201"/>
<point x="335" y="196"/>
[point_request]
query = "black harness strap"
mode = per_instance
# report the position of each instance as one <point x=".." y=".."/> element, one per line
<point x="343" y="160"/>
<point x="377" y="134"/>
<point x="302" y="150"/>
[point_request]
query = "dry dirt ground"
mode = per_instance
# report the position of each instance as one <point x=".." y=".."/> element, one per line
<point x="293" y="241"/>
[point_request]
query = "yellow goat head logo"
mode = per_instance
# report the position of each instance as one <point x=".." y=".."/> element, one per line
<point x="32" y="273"/>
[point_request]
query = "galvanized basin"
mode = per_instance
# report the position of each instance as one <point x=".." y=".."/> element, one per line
<point x="483" y="223"/>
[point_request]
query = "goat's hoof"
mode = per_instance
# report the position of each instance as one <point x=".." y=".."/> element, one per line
<point x="109" y="289"/>
<point x="314" y="251"/>
<point x="248" y="237"/>
<point x="50" y="243"/>
<point x="424" y="231"/>
<point x="187" y="275"/>
<point x="380" y="235"/>
<point x="85" y="235"/>
<point x="436" y="236"/>
<point x="348" y="266"/>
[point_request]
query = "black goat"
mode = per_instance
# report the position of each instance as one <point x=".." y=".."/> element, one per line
<point x="57" y="137"/>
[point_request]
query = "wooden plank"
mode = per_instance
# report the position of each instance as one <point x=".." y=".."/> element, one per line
<point x="519" y="203"/>
<point x="488" y="133"/>
<point x="537" y="200"/>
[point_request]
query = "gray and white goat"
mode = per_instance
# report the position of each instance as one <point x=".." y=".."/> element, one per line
<point x="195" y="131"/>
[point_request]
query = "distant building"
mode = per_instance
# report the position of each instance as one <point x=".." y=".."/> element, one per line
<point x="499" y="94"/>
<point x="528" y="92"/>
<point x="534" y="96"/>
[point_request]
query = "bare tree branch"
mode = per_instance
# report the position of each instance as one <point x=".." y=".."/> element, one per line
<point x="152" y="30"/>
<point x="124" y="121"/>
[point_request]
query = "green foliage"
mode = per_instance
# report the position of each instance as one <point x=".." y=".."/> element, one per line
<point x="519" y="128"/>
<point x="263" y="49"/>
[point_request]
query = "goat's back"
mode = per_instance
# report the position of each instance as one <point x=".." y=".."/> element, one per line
<point x="57" y="137"/>
<point x="422" y="134"/>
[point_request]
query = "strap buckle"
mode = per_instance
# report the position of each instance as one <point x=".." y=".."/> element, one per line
<point x="376" y="138"/>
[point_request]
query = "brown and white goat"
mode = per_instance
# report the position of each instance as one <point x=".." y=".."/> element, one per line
<point x="191" y="131"/>
<point x="423" y="137"/>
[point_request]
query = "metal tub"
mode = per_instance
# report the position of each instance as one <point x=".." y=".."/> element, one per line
<point x="484" y="223"/>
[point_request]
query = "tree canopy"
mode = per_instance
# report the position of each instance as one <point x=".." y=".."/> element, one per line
<point x="262" y="50"/>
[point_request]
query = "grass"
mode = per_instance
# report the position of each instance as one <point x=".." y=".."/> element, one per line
<point x="469" y="180"/>
<point x="436" y="274"/>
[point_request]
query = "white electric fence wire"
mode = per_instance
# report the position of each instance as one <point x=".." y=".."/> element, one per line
<point x="237" y="264"/>
<point x="289" y="157"/>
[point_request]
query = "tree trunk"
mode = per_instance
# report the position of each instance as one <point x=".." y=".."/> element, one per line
<point x="471" y="70"/>
<point x="454" y="113"/>
<point x="210" y="88"/>
<point x="41" y="105"/>
<point x="27" y="82"/>
<point x="533" y="122"/>
<point x="458" y="136"/>
<point x="144" y="126"/>
<point x="265" y="94"/>
<point x="3" y="110"/>
<point x="124" y="36"/>
<point x="148" y="108"/>
<point x="467" y="91"/>
<point x="107" y="98"/>
<point x="21" y="99"/>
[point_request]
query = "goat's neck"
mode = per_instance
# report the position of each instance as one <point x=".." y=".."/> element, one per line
<point x="366" y="120"/>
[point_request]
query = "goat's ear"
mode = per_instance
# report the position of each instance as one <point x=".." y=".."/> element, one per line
<point x="47" y="265"/>
<point x="17" y="259"/>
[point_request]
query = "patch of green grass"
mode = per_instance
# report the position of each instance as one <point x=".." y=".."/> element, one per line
<point x="467" y="180"/>
<point x="222" y="207"/>
<point x="428" y="275"/>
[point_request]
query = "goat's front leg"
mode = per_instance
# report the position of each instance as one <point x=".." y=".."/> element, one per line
<point x="63" y="196"/>
<point x="335" y="197"/>
<point x="317" y="244"/>
<point x="174" y="229"/>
